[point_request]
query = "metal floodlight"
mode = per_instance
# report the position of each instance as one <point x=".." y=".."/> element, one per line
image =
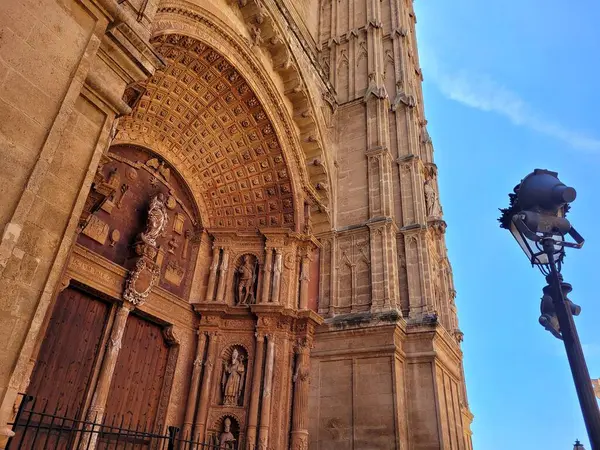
<point x="536" y="215"/>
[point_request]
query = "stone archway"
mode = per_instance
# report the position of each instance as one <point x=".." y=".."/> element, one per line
<point x="201" y="115"/>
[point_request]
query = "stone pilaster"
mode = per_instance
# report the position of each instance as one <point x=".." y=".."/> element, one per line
<point x="277" y="269"/>
<point x="205" y="392"/>
<point x="256" y="392"/>
<point x="267" y="272"/>
<point x="267" y="394"/>
<point x="384" y="265"/>
<point x="212" y="275"/>
<point x="304" y="277"/>
<point x="300" y="406"/>
<point x="100" y="397"/>
<point x="192" y="399"/>
<point x="223" y="271"/>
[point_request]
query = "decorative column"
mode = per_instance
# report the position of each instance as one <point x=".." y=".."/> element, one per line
<point x="212" y="276"/>
<point x="265" y="412"/>
<point x="107" y="369"/>
<point x="301" y="387"/>
<point x="277" y="275"/>
<point x="255" y="396"/>
<point x="222" y="276"/>
<point x="268" y="268"/>
<point x="304" y="278"/>
<point x="202" y="413"/>
<point x="194" y="386"/>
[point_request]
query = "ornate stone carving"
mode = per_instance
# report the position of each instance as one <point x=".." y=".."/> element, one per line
<point x="431" y="199"/>
<point x="124" y="189"/>
<point x="229" y="179"/>
<point x="232" y="381"/>
<point x="174" y="273"/>
<point x="140" y="281"/>
<point x="159" y="168"/>
<point x="301" y="443"/>
<point x="157" y="220"/>
<point x="96" y="229"/>
<point x="227" y="439"/>
<point x="246" y="281"/>
<point x="144" y="276"/>
<point x="114" y="237"/>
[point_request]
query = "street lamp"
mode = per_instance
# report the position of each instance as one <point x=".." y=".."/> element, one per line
<point x="536" y="217"/>
<point x="578" y="445"/>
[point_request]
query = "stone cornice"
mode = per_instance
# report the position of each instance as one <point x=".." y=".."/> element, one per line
<point x="106" y="278"/>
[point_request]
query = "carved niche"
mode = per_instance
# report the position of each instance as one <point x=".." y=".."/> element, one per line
<point x="141" y="216"/>
<point x="432" y="201"/>
<point x="225" y="433"/>
<point x="245" y="280"/>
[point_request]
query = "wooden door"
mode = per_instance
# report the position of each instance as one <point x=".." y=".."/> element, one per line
<point x="63" y="371"/>
<point x="137" y="384"/>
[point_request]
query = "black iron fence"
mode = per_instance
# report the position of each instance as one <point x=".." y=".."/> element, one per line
<point x="40" y="427"/>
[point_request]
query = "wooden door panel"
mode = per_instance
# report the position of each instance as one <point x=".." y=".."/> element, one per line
<point x="63" y="370"/>
<point x="138" y="379"/>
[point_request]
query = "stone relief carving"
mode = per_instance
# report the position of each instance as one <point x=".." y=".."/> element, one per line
<point x="159" y="168"/>
<point x="157" y="220"/>
<point x="144" y="276"/>
<point x="232" y="381"/>
<point x="227" y="439"/>
<point x="246" y="281"/>
<point x="100" y="192"/>
<point x="140" y="281"/>
<point x="431" y="200"/>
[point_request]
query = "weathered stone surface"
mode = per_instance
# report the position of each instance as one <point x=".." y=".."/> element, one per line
<point x="292" y="136"/>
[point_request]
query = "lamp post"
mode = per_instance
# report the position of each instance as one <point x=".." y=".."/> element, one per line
<point x="536" y="217"/>
<point x="578" y="445"/>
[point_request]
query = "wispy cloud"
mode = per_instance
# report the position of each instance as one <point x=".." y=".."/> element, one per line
<point x="481" y="92"/>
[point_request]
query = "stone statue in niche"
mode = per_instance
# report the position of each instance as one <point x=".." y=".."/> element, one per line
<point x="232" y="381"/>
<point x="227" y="439"/>
<point x="431" y="200"/>
<point x="157" y="220"/>
<point x="246" y="281"/>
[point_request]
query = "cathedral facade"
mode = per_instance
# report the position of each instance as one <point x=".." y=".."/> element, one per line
<point x="223" y="216"/>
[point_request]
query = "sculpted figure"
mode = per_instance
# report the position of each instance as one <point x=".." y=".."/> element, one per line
<point x="157" y="220"/>
<point x="227" y="440"/>
<point x="232" y="381"/>
<point x="431" y="200"/>
<point x="245" y="287"/>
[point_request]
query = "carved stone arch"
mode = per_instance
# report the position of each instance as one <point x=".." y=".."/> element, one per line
<point x="209" y="118"/>
<point x="227" y="350"/>
<point x="155" y="148"/>
<point x="237" y="256"/>
<point x="295" y="108"/>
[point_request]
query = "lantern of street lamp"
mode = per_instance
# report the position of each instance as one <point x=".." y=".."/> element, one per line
<point x="578" y="445"/>
<point x="536" y="217"/>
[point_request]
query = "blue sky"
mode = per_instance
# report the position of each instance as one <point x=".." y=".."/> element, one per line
<point x="509" y="87"/>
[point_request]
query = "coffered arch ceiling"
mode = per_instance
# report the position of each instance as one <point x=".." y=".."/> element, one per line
<point x="203" y="117"/>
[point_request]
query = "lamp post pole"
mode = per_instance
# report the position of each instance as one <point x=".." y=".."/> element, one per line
<point x="536" y="217"/>
<point x="579" y="370"/>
